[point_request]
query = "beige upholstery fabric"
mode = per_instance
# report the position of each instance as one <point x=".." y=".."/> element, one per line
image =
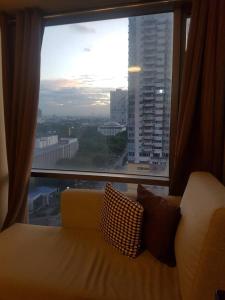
<point x="47" y="263"/>
<point x="200" y="238"/>
<point x="211" y="273"/>
<point x="81" y="208"/>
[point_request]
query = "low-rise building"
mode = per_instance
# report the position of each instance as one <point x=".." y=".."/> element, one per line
<point x="111" y="128"/>
<point x="51" y="149"/>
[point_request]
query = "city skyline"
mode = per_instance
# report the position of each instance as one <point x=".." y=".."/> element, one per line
<point x="64" y="101"/>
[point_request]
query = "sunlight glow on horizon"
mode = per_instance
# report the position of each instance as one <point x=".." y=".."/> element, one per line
<point x="90" y="54"/>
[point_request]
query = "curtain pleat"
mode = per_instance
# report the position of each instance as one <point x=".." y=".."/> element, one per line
<point x="21" y="50"/>
<point x="3" y="156"/>
<point x="201" y="123"/>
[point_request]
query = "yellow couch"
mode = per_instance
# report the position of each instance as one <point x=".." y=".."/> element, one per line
<point x="74" y="262"/>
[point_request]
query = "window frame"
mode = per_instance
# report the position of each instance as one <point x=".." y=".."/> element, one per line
<point x="181" y="10"/>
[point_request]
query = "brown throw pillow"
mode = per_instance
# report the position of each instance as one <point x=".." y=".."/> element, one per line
<point x="160" y="225"/>
<point x="121" y="221"/>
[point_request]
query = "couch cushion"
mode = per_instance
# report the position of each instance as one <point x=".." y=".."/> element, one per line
<point x="121" y="221"/>
<point x="38" y="262"/>
<point x="160" y="224"/>
<point x="200" y="238"/>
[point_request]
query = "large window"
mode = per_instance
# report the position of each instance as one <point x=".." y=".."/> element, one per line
<point x="105" y="96"/>
<point x="105" y="110"/>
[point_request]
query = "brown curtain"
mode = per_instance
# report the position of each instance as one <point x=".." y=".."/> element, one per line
<point x="21" y="47"/>
<point x="201" y="122"/>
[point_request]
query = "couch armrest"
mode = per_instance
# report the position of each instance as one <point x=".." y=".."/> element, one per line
<point x="81" y="208"/>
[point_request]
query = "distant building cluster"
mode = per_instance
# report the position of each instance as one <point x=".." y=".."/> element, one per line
<point x="111" y="128"/>
<point x="149" y="89"/>
<point x="50" y="149"/>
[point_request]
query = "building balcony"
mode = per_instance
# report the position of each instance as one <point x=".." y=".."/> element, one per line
<point x="159" y="106"/>
<point x="148" y="121"/>
<point x="149" y="35"/>
<point x="148" y="105"/>
<point x="159" y="113"/>
<point x="148" y="130"/>
<point x="159" y="119"/>
<point x="158" y="131"/>
<point x="149" y="112"/>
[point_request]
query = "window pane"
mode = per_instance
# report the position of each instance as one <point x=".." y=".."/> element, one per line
<point x="44" y="196"/>
<point x="105" y="96"/>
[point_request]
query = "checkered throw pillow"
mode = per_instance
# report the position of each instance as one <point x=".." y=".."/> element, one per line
<point x="121" y="221"/>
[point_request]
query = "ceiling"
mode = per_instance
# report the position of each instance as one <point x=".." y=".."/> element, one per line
<point x="56" y="6"/>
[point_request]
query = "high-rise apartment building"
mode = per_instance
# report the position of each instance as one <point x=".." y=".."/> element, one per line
<point x="118" y="106"/>
<point x="149" y="89"/>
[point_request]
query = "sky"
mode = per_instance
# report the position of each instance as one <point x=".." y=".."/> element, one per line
<point x="80" y="64"/>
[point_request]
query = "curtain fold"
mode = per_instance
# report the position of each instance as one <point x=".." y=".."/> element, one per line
<point x="201" y="123"/>
<point x="3" y="156"/>
<point x="21" y="50"/>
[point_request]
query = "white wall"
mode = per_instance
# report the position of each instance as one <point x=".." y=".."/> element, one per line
<point x="3" y="160"/>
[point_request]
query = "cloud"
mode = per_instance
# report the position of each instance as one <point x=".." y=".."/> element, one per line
<point x="101" y="102"/>
<point x="59" y="84"/>
<point x="86" y="80"/>
<point x="63" y="97"/>
<point x="82" y="28"/>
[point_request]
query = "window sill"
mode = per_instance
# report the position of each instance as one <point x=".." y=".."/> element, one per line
<point x="101" y="176"/>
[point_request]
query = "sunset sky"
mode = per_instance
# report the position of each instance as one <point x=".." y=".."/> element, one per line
<point x="94" y="50"/>
<point x="86" y="61"/>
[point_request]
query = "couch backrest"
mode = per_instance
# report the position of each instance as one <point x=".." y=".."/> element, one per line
<point x="200" y="238"/>
<point x="80" y="208"/>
